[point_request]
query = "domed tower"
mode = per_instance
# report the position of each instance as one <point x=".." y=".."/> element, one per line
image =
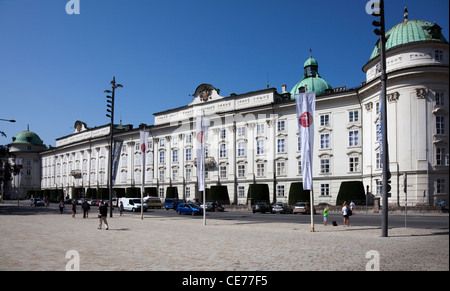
<point x="25" y="147"/>
<point x="311" y="80"/>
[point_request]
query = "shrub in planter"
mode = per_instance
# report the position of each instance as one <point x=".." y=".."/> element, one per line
<point x="351" y="191"/>
<point x="219" y="193"/>
<point x="258" y="193"/>
<point x="297" y="194"/>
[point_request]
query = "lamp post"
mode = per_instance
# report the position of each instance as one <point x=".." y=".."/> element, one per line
<point x="9" y="120"/>
<point x="386" y="174"/>
<point x="110" y="110"/>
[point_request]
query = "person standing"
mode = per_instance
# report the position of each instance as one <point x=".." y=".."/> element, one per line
<point x="61" y="207"/>
<point x="345" y="214"/>
<point x="86" y="207"/>
<point x="102" y="214"/>
<point x="325" y="215"/>
<point x="121" y="208"/>
<point x="74" y="208"/>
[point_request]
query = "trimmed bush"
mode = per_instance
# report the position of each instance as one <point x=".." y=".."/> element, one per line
<point x="172" y="192"/>
<point x="259" y="193"/>
<point x="297" y="194"/>
<point x="351" y="191"/>
<point x="218" y="193"/>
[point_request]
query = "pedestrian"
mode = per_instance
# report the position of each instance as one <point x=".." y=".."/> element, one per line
<point x="61" y="207"/>
<point x="47" y="201"/>
<point x="352" y="207"/>
<point x="74" y="208"/>
<point x="325" y="215"/>
<point x="102" y="214"/>
<point x="86" y="207"/>
<point x="442" y="205"/>
<point x="345" y="214"/>
<point x="121" y="208"/>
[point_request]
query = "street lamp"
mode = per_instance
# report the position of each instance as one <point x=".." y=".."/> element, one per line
<point x="386" y="174"/>
<point x="110" y="110"/>
<point x="9" y="120"/>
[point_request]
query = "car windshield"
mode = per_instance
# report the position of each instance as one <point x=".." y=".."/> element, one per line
<point x="136" y="200"/>
<point x="192" y="205"/>
<point x="300" y="204"/>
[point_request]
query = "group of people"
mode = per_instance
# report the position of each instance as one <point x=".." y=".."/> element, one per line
<point x="102" y="211"/>
<point x="347" y="211"/>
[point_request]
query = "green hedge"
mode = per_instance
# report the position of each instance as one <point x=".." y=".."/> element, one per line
<point x="351" y="191"/>
<point x="218" y="193"/>
<point x="297" y="194"/>
<point x="258" y="192"/>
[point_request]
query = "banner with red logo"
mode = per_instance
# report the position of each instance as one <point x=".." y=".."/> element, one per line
<point x="306" y="107"/>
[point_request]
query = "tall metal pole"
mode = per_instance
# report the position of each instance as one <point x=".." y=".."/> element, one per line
<point x="111" y="145"/>
<point x="385" y="158"/>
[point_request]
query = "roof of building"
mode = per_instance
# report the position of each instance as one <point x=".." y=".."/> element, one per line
<point x="27" y="137"/>
<point x="409" y="32"/>
<point x="311" y="79"/>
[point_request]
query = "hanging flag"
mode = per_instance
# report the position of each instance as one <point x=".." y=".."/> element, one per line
<point x="306" y="107"/>
<point x="143" y="147"/>
<point x="117" y="149"/>
<point x="201" y="134"/>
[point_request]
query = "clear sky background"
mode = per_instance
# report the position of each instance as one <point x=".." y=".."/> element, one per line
<point x="54" y="67"/>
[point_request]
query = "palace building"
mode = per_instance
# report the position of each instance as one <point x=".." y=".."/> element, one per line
<point x="253" y="137"/>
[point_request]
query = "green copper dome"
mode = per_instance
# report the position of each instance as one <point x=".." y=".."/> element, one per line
<point x="408" y="32"/>
<point x="28" y="137"/>
<point x="311" y="79"/>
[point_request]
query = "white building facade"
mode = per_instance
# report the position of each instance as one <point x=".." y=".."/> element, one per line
<point x="253" y="137"/>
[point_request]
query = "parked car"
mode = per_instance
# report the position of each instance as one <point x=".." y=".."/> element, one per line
<point x="211" y="207"/>
<point x="261" y="207"/>
<point x="189" y="208"/>
<point x="132" y="204"/>
<point x="153" y="202"/>
<point x="172" y="203"/>
<point x="282" y="208"/>
<point x="37" y="202"/>
<point x="303" y="208"/>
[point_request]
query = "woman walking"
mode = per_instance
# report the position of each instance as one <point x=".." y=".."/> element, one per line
<point x="345" y="214"/>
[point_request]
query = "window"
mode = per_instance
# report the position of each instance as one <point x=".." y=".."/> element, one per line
<point x="241" y="171"/>
<point x="260" y="129"/>
<point x="438" y="55"/>
<point x="281" y="145"/>
<point x="353" y="138"/>
<point x="378" y="160"/>
<point x="241" y="149"/>
<point x="324" y="120"/>
<point x="188" y="154"/>
<point x="188" y="138"/>
<point x="175" y="174"/>
<point x="175" y="141"/>
<point x="223" y="151"/>
<point x="162" y="175"/>
<point x="353" y="116"/>
<point x="188" y="192"/>
<point x="354" y="164"/>
<point x="241" y="191"/>
<point x="325" y="189"/>
<point x="299" y="143"/>
<point x="280" y="190"/>
<point x="162" y="142"/>
<point x="260" y="170"/>
<point x="325" y="166"/>
<point x="281" y="125"/>
<point x="440" y="125"/>
<point x="162" y="157"/>
<point x="223" y="134"/>
<point x="325" y="141"/>
<point x="281" y="168"/>
<point x="260" y="147"/>
<point x="440" y="186"/>
<point x="241" y="131"/>
<point x="440" y="156"/>
<point x="299" y="167"/>
<point x="439" y="98"/>
<point x="223" y="172"/>
<point x="175" y="156"/>
<point x="188" y="174"/>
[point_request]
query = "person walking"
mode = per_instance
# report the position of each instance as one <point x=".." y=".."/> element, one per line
<point x="352" y="207"/>
<point x="121" y="208"/>
<point x="86" y="207"/>
<point x="74" y="208"/>
<point x="345" y="214"/>
<point x="325" y="215"/>
<point x="61" y="207"/>
<point x="102" y="214"/>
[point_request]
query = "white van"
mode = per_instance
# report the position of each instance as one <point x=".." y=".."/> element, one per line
<point x="153" y="202"/>
<point x="132" y="204"/>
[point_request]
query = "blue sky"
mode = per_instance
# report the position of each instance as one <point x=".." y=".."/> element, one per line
<point x="54" y="66"/>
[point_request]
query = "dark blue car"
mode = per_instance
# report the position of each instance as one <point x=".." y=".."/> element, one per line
<point x="189" y="208"/>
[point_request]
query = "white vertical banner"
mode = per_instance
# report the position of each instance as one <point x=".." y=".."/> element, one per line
<point x="306" y="107"/>
<point x="143" y="147"/>
<point x="117" y="149"/>
<point x="201" y="135"/>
